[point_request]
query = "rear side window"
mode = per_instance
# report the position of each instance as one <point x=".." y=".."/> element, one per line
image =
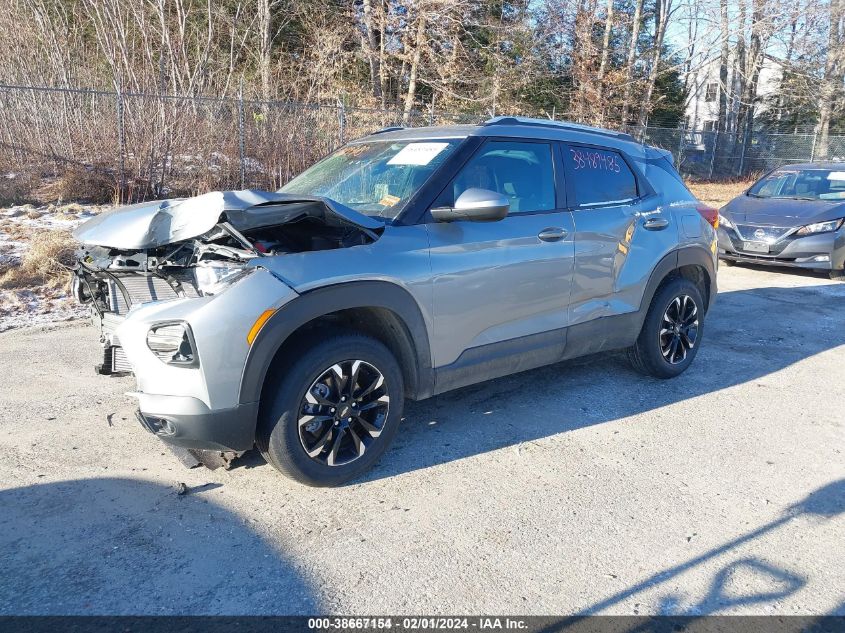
<point x="663" y="177"/>
<point x="598" y="176"/>
<point x="522" y="171"/>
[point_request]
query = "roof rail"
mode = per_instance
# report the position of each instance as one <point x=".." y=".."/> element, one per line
<point x="391" y="128"/>
<point x="563" y="125"/>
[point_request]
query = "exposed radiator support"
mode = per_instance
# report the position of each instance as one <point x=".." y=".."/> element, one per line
<point x="142" y="288"/>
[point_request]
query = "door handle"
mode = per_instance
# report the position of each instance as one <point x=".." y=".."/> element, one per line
<point x="656" y="224"/>
<point x="552" y="234"/>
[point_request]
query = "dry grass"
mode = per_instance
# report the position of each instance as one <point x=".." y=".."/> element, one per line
<point x="90" y="185"/>
<point x="50" y="255"/>
<point x="718" y="194"/>
<point x="17" y="232"/>
<point x="18" y="189"/>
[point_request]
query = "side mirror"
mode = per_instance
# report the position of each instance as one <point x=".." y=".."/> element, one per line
<point x="475" y="205"/>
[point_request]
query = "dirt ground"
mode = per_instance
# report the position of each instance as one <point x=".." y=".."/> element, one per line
<point x="577" y="488"/>
<point x="718" y="194"/>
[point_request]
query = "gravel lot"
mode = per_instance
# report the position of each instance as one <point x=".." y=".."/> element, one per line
<point x="581" y="487"/>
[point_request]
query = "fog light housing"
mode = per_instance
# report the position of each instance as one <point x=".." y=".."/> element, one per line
<point x="821" y="258"/>
<point x="155" y="424"/>
<point x="173" y="344"/>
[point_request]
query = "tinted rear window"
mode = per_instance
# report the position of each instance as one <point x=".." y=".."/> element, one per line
<point x="599" y="176"/>
<point x="663" y="177"/>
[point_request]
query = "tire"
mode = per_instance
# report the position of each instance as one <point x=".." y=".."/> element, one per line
<point x="648" y="355"/>
<point x="837" y="275"/>
<point x="727" y="262"/>
<point x="301" y="387"/>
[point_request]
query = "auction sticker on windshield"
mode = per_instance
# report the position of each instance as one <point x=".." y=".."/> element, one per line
<point x="417" y="153"/>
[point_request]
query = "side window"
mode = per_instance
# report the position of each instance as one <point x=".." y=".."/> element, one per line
<point x="523" y="172"/>
<point x="598" y="176"/>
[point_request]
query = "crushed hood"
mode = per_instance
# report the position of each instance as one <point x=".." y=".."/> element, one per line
<point x="153" y="224"/>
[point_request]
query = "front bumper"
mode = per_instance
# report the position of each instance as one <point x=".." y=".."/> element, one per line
<point x="198" y="407"/>
<point x="823" y="251"/>
<point x="189" y="423"/>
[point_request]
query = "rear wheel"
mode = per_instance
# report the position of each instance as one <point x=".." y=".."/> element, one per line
<point x="672" y="330"/>
<point x="332" y="410"/>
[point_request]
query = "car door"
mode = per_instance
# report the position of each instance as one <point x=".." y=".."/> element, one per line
<point x="501" y="289"/>
<point x="621" y="231"/>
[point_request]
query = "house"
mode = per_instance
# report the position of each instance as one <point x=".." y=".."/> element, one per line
<point x="702" y="107"/>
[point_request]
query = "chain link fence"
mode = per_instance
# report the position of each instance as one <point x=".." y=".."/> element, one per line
<point x="163" y="145"/>
<point x="710" y="155"/>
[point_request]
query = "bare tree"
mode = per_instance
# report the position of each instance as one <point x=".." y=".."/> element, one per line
<point x="415" y="46"/>
<point x="632" y="58"/>
<point x="605" y="54"/>
<point x="374" y="49"/>
<point x="831" y="86"/>
<point x="662" y="13"/>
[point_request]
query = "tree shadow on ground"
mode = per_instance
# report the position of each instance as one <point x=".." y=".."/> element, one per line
<point x="120" y="546"/>
<point x="823" y="504"/>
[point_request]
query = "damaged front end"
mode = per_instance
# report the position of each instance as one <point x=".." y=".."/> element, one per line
<point x="197" y="247"/>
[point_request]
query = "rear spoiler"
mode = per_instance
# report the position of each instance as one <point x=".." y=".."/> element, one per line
<point x="652" y="153"/>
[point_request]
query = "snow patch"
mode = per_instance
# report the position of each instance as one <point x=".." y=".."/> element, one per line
<point x="23" y="307"/>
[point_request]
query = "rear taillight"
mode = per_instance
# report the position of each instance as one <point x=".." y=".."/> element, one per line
<point x="710" y="214"/>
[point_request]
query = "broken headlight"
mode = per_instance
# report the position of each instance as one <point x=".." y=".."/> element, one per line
<point x="173" y="343"/>
<point x="213" y="277"/>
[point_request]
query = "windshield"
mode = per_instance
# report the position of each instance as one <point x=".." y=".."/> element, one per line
<point x="376" y="178"/>
<point x="801" y="184"/>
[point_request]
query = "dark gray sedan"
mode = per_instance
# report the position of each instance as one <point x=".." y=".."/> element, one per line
<point x="792" y="216"/>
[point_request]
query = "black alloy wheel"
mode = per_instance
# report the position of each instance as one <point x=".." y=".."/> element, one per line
<point x="343" y="412"/>
<point x="671" y="332"/>
<point x="679" y="332"/>
<point x="331" y="405"/>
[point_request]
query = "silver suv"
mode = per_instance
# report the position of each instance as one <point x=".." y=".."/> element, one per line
<point x="406" y="264"/>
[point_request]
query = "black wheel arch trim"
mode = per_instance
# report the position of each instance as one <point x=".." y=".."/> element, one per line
<point x="686" y="256"/>
<point x="326" y="300"/>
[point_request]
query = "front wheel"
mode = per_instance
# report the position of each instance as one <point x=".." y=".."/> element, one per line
<point x="837" y="275"/>
<point x="331" y="410"/>
<point x="672" y="330"/>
